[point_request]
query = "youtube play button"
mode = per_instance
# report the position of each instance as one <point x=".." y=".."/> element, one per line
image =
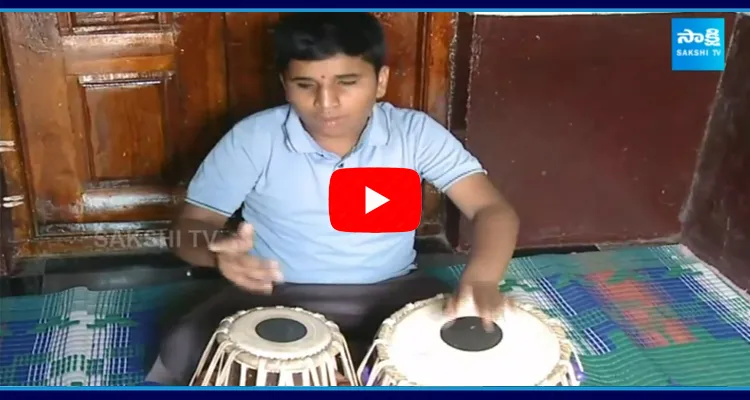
<point x="375" y="200"/>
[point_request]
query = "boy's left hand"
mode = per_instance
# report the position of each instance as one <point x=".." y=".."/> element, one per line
<point x="485" y="296"/>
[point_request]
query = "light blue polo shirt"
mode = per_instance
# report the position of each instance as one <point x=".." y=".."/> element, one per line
<point x="268" y="164"/>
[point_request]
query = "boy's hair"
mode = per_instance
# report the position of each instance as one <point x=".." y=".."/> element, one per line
<point x="319" y="36"/>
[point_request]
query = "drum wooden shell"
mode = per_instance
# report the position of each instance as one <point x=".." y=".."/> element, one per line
<point x="237" y="356"/>
<point x="385" y="370"/>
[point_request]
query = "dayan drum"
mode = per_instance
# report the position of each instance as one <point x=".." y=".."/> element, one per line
<point x="276" y="346"/>
<point x="420" y="346"/>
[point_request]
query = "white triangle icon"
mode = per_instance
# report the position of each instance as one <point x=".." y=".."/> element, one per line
<point x="373" y="200"/>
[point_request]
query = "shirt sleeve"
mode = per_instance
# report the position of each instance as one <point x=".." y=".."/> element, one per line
<point x="228" y="173"/>
<point x="442" y="159"/>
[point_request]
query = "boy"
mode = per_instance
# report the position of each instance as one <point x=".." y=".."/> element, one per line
<point x="277" y="163"/>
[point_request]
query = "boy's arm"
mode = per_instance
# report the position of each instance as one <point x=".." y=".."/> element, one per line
<point x="495" y="227"/>
<point x="218" y="189"/>
<point x="444" y="161"/>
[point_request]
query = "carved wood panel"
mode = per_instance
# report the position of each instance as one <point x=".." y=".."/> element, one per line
<point x="132" y="102"/>
<point x="121" y="110"/>
<point x="82" y="23"/>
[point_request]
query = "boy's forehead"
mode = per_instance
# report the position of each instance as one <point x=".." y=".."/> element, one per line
<point x="331" y="67"/>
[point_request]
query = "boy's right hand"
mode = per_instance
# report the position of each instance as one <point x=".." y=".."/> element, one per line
<point x="244" y="270"/>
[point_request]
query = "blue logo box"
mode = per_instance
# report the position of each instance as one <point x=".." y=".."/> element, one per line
<point x="698" y="44"/>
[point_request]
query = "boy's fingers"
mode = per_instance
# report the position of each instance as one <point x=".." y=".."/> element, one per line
<point x="254" y="285"/>
<point x="274" y="271"/>
<point x="449" y="307"/>
<point x="268" y="271"/>
<point x="488" y="321"/>
<point x="245" y="230"/>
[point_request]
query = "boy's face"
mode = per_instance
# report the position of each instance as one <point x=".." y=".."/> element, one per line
<point x="334" y="97"/>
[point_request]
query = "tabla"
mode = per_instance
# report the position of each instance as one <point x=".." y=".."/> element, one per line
<point x="275" y="346"/>
<point x="420" y="346"/>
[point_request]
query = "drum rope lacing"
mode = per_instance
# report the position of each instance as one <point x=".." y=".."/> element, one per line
<point x="228" y="352"/>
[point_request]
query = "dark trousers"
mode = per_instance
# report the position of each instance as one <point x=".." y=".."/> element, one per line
<point x="357" y="309"/>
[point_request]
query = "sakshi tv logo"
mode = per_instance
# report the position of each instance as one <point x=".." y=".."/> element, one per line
<point x="698" y="44"/>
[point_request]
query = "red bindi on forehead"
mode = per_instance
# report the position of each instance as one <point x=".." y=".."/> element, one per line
<point x="322" y="77"/>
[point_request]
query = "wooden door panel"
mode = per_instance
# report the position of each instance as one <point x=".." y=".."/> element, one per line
<point x="202" y="76"/>
<point x="18" y="221"/>
<point x="37" y="65"/>
<point x="124" y="121"/>
<point x="112" y="22"/>
<point x="404" y="42"/>
<point x="254" y="81"/>
<point x="127" y="96"/>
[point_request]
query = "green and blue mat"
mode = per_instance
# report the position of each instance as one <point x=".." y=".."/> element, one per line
<point x="653" y="316"/>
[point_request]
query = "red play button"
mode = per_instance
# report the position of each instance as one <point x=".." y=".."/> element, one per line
<point x="375" y="200"/>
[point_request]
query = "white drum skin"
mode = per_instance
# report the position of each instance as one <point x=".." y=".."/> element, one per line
<point x="534" y="351"/>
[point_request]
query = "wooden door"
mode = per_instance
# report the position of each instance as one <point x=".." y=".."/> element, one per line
<point x="110" y="104"/>
<point x="115" y="111"/>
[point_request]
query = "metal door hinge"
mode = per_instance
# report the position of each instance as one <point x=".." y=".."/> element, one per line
<point x="12" y="201"/>
<point x="7" y="146"/>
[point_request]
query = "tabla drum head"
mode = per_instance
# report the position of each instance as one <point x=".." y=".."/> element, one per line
<point x="277" y="333"/>
<point x="431" y="349"/>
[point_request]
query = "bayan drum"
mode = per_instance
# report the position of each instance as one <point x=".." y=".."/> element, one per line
<point x="420" y="346"/>
<point x="276" y="346"/>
